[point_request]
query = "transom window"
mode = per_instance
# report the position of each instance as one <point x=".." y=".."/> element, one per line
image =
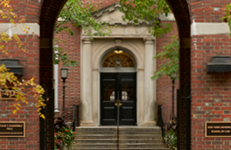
<point x="118" y="59"/>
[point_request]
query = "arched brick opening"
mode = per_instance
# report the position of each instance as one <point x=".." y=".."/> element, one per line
<point x="182" y="15"/>
<point x="50" y="10"/>
<point x="49" y="13"/>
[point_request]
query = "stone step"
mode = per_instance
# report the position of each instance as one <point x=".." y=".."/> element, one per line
<point x="121" y="132"/>
<point x="124" y="145"/>
<point x="139" y="132"/>
<point x="141" y="136"/>
<point x="121" y="149"/>
<point x="103" y="136"/>
<point x="93" y="136"/>
<point x="92" y="129"/>
<point x="130" y="138"/>
<point x="112" y="129"/>
<point x="95" y="141"/>
<point x="96" y="145"/>
<point x="141" y="145"/>
<point x="115" y="141"/>
<point x="141" y="141"/>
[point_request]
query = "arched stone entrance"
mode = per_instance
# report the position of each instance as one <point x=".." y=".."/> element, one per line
<point x="95" y="50"/>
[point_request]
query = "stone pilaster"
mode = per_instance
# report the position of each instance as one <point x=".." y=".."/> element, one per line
<point x="149" y="90"/>
<point x="86" y="84"/>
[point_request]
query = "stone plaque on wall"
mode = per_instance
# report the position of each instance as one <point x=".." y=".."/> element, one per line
<point x="218" y="129"/>
<point x="7" y="94"/>
<point x="12" y="129"/>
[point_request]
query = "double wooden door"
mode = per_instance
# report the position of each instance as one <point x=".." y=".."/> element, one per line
<point x="118" y="86"/>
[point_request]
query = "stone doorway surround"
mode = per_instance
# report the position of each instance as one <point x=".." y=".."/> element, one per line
<point x="138" y="41"/>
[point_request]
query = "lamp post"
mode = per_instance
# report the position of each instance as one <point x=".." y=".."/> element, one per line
<point x="173" y="77"/>
<point x="64" y="72"/>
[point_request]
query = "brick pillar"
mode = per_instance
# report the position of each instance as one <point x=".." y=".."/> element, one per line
<point x="46" y="80"/>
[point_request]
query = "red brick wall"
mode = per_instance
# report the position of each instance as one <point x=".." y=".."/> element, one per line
<point x="210" y="92"/>
<point x="30" y="61"/>
<point x="164" y="84"/>
<point x="27" y="113"/>
<point x="72" y="48"/>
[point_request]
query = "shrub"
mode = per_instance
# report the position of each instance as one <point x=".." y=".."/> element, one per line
<point x="171" y="139"/>
<point x="63" y="136"/>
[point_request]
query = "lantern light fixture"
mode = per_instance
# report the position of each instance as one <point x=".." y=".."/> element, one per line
<point x="64" y="73"/>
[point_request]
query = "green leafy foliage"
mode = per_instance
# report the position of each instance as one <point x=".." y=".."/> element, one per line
<point x="63" y="135"/>
<point x="79" y="14"/>
<point x="23" y="89"/>
<point x="170" y="58"/>
<point x="171" y="139"/>
<point x="148" y="11"/>
<point x="61" y="55"/>
<point x="227" y="16"/>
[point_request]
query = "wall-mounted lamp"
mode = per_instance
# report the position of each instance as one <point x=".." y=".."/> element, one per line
<point x="13" y="66"/>
<point x="118" y="50"/>
<point x="219" y="64"/>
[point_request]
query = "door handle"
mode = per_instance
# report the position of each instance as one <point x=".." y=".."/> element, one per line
<point x="118" y="103"/>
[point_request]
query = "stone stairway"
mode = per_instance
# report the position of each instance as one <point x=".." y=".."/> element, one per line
<point x="130" y="138"/>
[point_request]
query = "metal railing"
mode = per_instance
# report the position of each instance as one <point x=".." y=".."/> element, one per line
<point x="75" y="121"/>
<point x="160" y="122"/>
<point x="71" y="115"/>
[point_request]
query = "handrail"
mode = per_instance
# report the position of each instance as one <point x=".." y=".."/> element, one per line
<point x="160" y="122"/>
<point x="75" y="121"/>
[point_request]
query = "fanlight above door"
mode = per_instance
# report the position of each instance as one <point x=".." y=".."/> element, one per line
<point x="118" y="61"/>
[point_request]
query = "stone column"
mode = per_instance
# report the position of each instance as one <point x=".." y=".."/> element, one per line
<point x="95" y="96"/>
<point x="140" y="90"/>
<point x="86" y="84"/>
<point x="149" y="90"/>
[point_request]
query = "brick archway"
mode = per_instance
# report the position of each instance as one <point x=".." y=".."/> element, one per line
<point x="49" y="12"/>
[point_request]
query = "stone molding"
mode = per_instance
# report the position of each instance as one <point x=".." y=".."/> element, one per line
<point x="18" y="28"/>
<point x="115" y="7"/>
<point x="205" y="28"/>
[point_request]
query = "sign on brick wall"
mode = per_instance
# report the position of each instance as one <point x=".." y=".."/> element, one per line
<point x="7" y="94"/>
<point x="12" y="129"/>
<point x="218" y="129"/>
